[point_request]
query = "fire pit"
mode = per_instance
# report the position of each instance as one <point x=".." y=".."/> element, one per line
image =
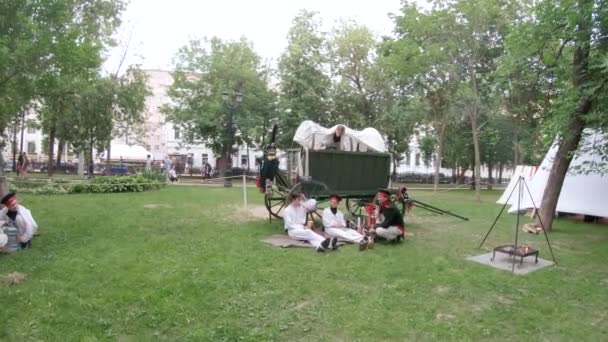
<point x="517" y="251"/>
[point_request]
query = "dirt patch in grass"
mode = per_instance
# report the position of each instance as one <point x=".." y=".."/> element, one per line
<point x="440" y="290"/>
<point x="258" y="212"/>
<point x="444" y="317"/>
<point x="239" y="214"/>
<point x="157" y="206"/>
<point x="14" y="278"/>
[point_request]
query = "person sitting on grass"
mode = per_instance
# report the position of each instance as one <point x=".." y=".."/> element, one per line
<point x="334" y="223"/>
<point x="391" y="225"/>
<point x="20" y="217"/>
<point x="298" y="228"/>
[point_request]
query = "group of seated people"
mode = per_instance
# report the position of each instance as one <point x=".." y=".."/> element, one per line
<point x="389" y="224"/>
<point x="18" y="219"/>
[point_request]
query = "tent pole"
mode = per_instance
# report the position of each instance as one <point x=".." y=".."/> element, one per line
<point x="541" y="224"/>
<point x="498" y="216"/>
<point x="520" y="186"/>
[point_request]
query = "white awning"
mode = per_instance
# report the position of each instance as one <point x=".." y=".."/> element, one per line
<point x="126" y="152"/>
<point x="316" y="137"/>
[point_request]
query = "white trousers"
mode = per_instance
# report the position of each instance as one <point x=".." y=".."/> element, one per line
<point x="306" y="235"/>
<point x="389" y="233"/>
<point x="344" y="233"/>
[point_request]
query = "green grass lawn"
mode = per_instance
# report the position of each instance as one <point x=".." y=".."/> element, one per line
<point x="109" y="267"/>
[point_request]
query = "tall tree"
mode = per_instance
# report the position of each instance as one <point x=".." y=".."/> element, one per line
<point x="204" y="72"/>
<point x="44" y="45"/>
<point x="304" y="83"/>
<point x="423" y="59"/>
<point x="362" y="90"/>
<point x="131" y="90"/>
<point x="481" y="27"/>
<point x="568" y="40"/>
<point x="94" y="119"/>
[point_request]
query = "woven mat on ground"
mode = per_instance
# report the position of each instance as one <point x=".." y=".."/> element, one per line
<point x="284" y="241"/>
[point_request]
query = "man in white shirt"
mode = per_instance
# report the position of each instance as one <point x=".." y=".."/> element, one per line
<point x="20" y="217"/>
<point x="297" y="227"/>
<point x="335" y="226"/>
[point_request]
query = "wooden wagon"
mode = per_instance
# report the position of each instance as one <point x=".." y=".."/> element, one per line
<point x="355" y="172"/>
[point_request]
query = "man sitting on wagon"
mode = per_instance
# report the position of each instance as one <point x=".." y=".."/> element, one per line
<point x="335" y="140"/>
<point x="334" y="223"/>
<point x="298" y="227"/>
<point x="391" y="225"/>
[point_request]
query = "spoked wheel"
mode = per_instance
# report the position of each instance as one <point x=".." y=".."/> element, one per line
<point x="312" y="189"/>
<point x="356" y="206"/>
<point x="277" y="197"/>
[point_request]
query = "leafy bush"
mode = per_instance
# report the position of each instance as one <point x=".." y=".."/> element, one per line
<point x="135" y="183"/>
<point x="154" y="175"/>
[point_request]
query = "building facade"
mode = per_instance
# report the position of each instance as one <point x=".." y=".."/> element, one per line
<point x="162" y="138"/>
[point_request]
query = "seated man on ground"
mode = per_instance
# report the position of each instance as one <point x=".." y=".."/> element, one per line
<point x="298" y="228"/>
<point x="20" y="217"/>
<point x="391" y="225"/>
<point x="335" y="226"/>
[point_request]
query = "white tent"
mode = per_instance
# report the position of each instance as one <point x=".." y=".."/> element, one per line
<point x="126" y="152"/>
<point x="314" y="136"/>
<point x="525" y="171"/>
<point x="585" y="194"/>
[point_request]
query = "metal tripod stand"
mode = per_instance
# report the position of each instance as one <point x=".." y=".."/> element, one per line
<point x="521" y="183"/>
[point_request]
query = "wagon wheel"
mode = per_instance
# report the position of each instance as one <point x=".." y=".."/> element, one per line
<point x="355" y="206"/>
<point x="312" y="190"/>
<point x="277" y="197"/>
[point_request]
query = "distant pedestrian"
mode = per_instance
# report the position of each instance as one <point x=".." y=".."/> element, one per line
<point x="173" y="176"/>
<point x="148" y="164"/>
<point x="25" y="165"/>
<point x="19" y="163"/>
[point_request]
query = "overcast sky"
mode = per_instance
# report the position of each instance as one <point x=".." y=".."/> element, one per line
<point x="160" y="27"/>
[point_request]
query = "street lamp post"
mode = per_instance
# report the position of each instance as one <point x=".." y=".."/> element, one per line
<point x="232" y="101"/>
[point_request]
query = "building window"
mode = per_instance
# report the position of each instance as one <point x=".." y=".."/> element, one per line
<point x="156" y="148"/>
<point x="176" y="133"/>
<point x="31" y="129"/>
<point x="417" y="159"/>
<point x="31" y="147"/>
<point x="205" y="158"/>
<point x="243" y="160"/>
<point x="408" y="159"/>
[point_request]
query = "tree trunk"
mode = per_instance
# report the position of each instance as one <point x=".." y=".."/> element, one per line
<point x="81" y="163"/>
<point x="474" y="114"/>
<point x="394" y="175"/>
<point x="50" y="164"/>
<point x="490" y="178"/>
<point x="108" y="156"/>
<point x="248" y="158"/>
<point x="22" y="130"/>
<point x="572" y="136"/>
<point x="91" y="161"/>
<point x="557" y="175"/>
<point x="440" y="138"/>
<point x="477" y="171"/>
<point x="502" y="165"/>
<point x="60" y="147"/>
<point x="224" y="163"/>
<point x="2" y="161"/>
<point x="14" y="148"/>
<point x="463" y="171"/>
